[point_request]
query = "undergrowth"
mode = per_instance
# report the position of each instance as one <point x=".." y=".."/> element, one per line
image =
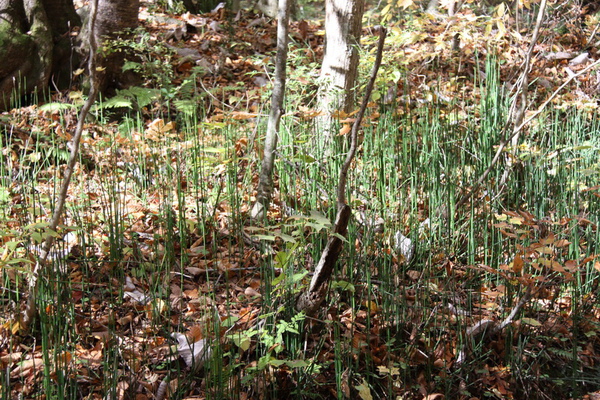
<point x="157" y="240"/>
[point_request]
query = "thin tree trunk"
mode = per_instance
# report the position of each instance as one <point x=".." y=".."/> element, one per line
<point x="265" y="185"/>
<point x="343" y="22"/>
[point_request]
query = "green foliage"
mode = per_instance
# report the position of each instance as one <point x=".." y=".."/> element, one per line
<point x="146" y="55"/>
<point x="135" y="96"/>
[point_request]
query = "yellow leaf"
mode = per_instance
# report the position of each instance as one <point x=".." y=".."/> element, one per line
<point x="364" y="391"/>
<point x="545" y="250"/>
<point x="371" y="306"/>
<point x="16" y="326"/>
<point x="405" y="3"/>
<point x="500" y="10"/>
<point x="501" y="30"/>
<point x="386" y="9"/>
<point x="530" y="321"/>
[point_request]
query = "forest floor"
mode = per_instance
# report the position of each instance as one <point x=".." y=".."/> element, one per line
<point x="164" y="259"/>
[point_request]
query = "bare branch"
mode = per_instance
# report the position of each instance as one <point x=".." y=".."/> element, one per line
<point x="341" y="191"/>
<point x="311" y="300"/>
<point x="41" y="266"/>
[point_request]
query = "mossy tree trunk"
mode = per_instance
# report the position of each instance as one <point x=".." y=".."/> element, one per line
<point x="30" y="31"/>
<point x="36" y="44"/>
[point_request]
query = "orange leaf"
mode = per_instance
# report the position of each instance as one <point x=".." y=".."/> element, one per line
<point x="561" y="243"/>
<point x="243" y="115"/>
<point x="344" y="130"/>
<point x="517" y="265"/>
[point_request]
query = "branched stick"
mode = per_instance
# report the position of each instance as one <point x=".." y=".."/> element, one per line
<point x="509" y="319"/>
<point x="41" y="266"/>
<point x="490" y="327"/>
<point x="517" y="130"/>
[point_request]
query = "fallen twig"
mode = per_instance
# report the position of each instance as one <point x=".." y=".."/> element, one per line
<point x="488" y="327"/>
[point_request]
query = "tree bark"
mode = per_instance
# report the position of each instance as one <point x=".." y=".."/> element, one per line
<point x="35" y="44"/>
<point x="265" y="185"/>
<point x="27" y="35"/>
<point x="343" y="22"/>
<point x="115" y="20"/>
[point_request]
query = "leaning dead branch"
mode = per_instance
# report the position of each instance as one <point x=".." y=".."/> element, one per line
<point x="311" y="300"/>
<point x="41" y="266"/>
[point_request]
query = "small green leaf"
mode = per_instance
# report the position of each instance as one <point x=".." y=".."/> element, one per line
<point x="277" y="363"/>
<point x="269" y="238"/>
<point x="299" y="276"/>
<point x="286" y="238"/>
<point x="343" y="285"/>
<point x="229" y="321"/>
<point x="242" y="341"/>
<point x="531" y="321"/>
<point x="12" y="245"/>
<point x="36" y="237"/>
<point x="18" y="261"/>
<point x="297" y="364"/>
<point x="214" y="150"/>
<point x="304" y="158"/>
<point x="320" y="218"/>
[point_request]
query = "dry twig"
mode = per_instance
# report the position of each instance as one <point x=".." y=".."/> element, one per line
<point x="42" y="263"/>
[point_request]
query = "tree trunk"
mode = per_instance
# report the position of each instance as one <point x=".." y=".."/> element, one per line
<point x="116" y="19"/>
<point x="29" y="30"/>
<point x="265" y="185"/>
<point x="267" y="7"/>
<point x="36" y="44"/>
<point x="343" y="21"/>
